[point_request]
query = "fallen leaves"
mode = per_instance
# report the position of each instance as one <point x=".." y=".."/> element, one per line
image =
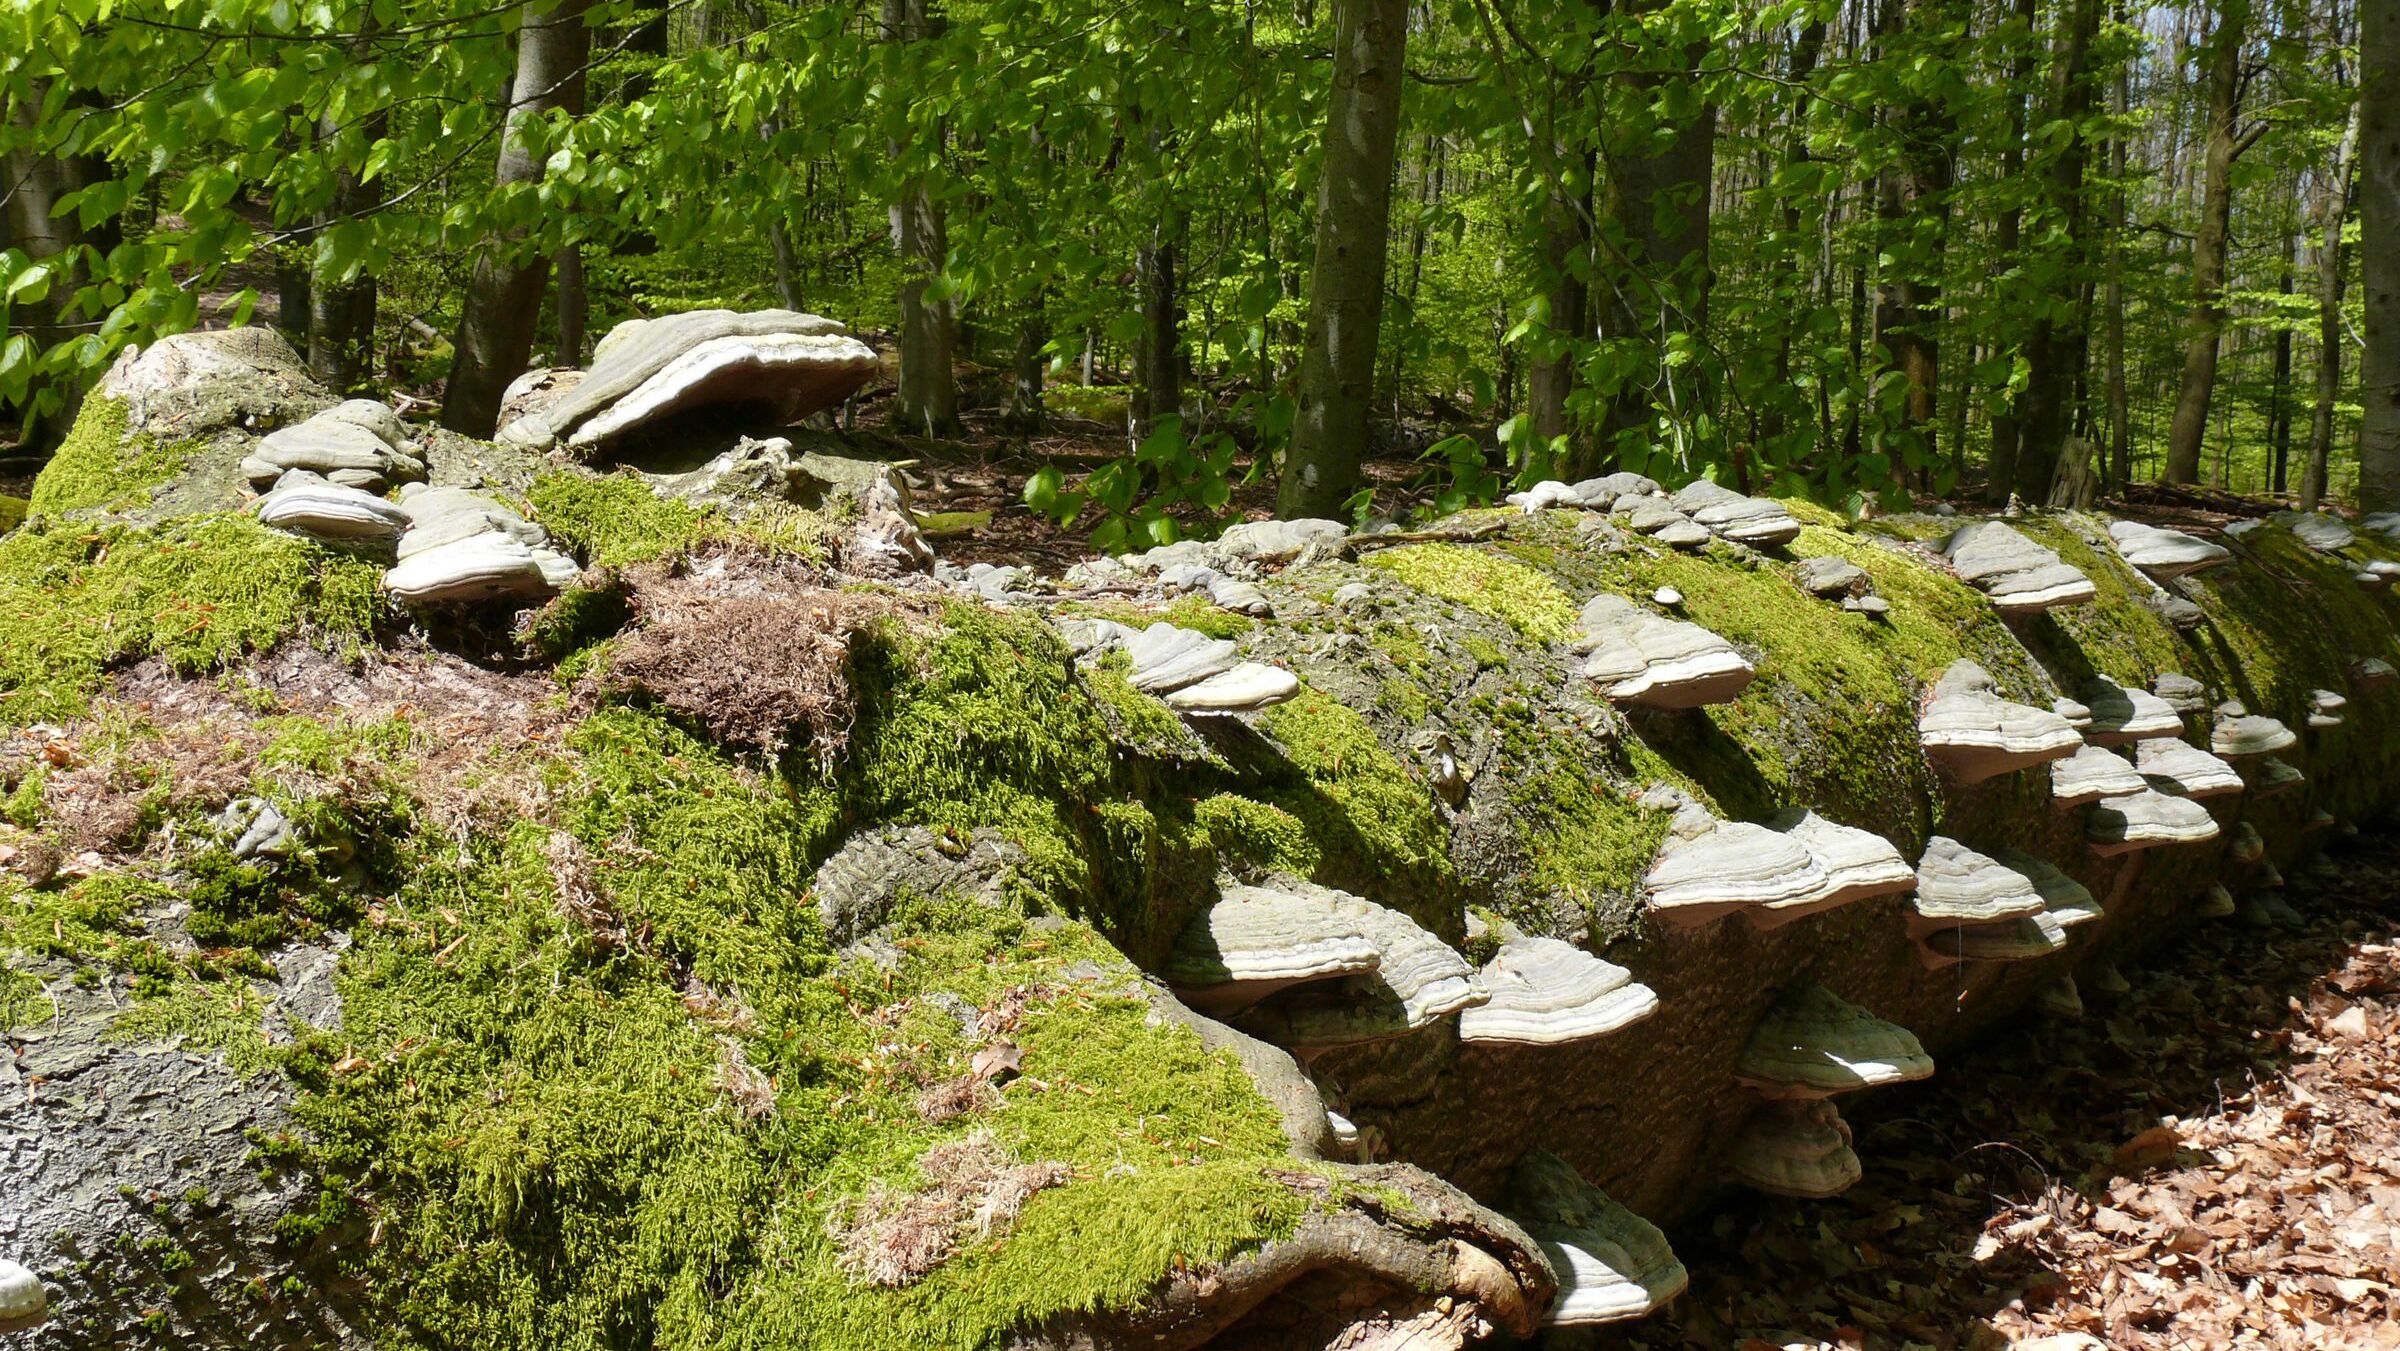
<point x="2212" y="1160"/>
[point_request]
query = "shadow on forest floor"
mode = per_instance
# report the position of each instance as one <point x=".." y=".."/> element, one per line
<point x="2213" y="1157"/>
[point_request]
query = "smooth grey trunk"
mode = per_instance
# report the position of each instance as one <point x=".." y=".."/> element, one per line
<point x="2332" y="201"/>
<point x="1158" y="354"/>
<point x="787" y="265"/>
<point x="1024" y="409"/>
<point x="503" y="303"/>
<point x="2379" y="253"/>
<point x="341" y="313"/>
<point x="1345" y="283"/>
<point x="2279" y="407"/>
<point x="2055" y="353"/>
<point x="2120" y="423"/>
<point x="2206" y="325"/>
<point x="2008" y="236"/>
<point x="1566" y="253"/>
<point x="34" y="225"/>
<point x="926" y="401"/>
<point x="1913" y="189"/>
<point x="1806" y="48"/>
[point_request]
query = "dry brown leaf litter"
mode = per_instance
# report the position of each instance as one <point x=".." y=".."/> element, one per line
<point x="2212" y="1160"/>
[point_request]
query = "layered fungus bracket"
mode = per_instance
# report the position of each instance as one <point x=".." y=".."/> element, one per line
<point x="1974" y="734"/>
<point x="2091" y="774"/>
<point x="1815" y="1044"/>
<point x="2146" y="820"/>
<point x="1612" y="1265"/>
<point x="1796" y="1147"/>
<point x="2239" y="732"/>
<point x="1258" y="941"/>
<point x="1757" y="521"/>
<point x="1189" y="671"/>
<point x="786" y="364"/>
<point x="2164" y="555"/>
<point x="1639" y="657"/>
<point x="2020" y="576"/>
<point x="2183" y="769"/>
<point x="1414" y="981"/>
<point x="465" y="547"/>
<point x="2120" y="715"/>
<point x="359" y="444"/>
<point x="1546" y="992"/>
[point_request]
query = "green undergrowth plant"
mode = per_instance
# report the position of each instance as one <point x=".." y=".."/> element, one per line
<point x="199" y="593"/>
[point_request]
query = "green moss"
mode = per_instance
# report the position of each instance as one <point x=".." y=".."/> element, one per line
<point x="12" y="512"/>
<point x="23" y="806"/>
<point x="619" y="520"/>
<point x="1486" y="583"/>
<point x="101" y="464"/>
<point x="1373" y="818"/>
<point x="532" y="1100"/>
<point x="946" y="524"/>
<point x="1194" y="612"/>
<point x="1258" y="835"/>
<point x="200" y="593"/>
<point x="2116" y="635"/>
<point x="216" y="1016"/>
<point x="1586" y="837"/>
<point x="1142" y="720"/>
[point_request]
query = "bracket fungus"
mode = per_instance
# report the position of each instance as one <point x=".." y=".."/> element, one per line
<point x="2184" y="769"/>
<point x="1974" y="734"/>
<point x="356" y="444"/>
<point x="2107" y="981"/>
<point x="2120" y="825"/>
<point x="1417" y="980"/>
<point x="1545" y="992"/>
<point x="2216" y="903"/>
<point x="1708" y="868"/>
<point x="1831" y="577"/>
<point x="2325" y="709"/>
<point x="2091" y="774"/>
<point x="2065" y="900"/>
<point x="2059" y="999"/>
<point x="1858" y="865"/>
<point x="1192" y="672"/>
<point x="23" y="1299"/>
<point x="1637" y="657"/>
<point x="1797" y="1149"/>
<point x="306" y="503"/>
<point x="2182" y="693"/>
<point x="1748" y="520"/>
<point x="2020" y="576"/>
<point x="1612" y="1265"/>
<point x="2247" y="846"/>
<point x="645" y="370"/>
<point x="2369" y="674"/>
<point x="1814" y="1044"/>
<point x="2121" y="713"/>
<point x="1956" y="885"/>
<point x="2275" y="777"/>
<point x="462" y="546"/>
<point x="2165" y="554"/>
<point x="2239" y="732"/>
<point x="1256" y="941"/>
<point x="2010" y="940"/>
<point x="2321" y="531"/>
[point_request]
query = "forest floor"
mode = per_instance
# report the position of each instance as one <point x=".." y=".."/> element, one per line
<point x="2212" y="1160"/>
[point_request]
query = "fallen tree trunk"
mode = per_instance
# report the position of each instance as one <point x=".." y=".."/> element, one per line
<point x="660" y="1004"/>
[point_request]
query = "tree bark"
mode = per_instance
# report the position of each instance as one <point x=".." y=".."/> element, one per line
<point x="341" y="313"/>
<point x="1913" y="196"/>
<point x="36" y="182"/>
<point x="927" y="399"/>
<point x="2008" y="236"/>
<point x="1566" y="253"/>
<point x="2279" y="408"/>
<point x="503" y="302"/>
<point x="2379" y="253"/>
<point x="1158" y="356"/>
<point x="2207" y="322"/>
<point x="572" y="304"/>
<point x="1345" y="285"/>
<point x="2333" y="198"/>
<point x="2057" y="348"/>
<point x="1024" y="409"/>
<point x="2120" y="422"/>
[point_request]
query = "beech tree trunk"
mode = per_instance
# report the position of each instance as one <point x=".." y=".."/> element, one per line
<point x="2279" y="408"/>
<point x="572" y="305"/>
<point x="1345" y="285"/>
<point x="2207" y="321"/>
<point x="2008" y="239"/>
<point x="1158" y="356"/>
<point x="341" y="313"/>
<point x="927" y="398"/>
<point x="2379" y="253"/>
<point x="1566" y="255"/>
<point x="1024" y="409"/>
<point x="1913" y="197"/>
<point x="504" y="296"/>
<point x="2332" y="203"/>
<point x="2056" y="351"/>
<point x="2120" y="420"/>
<point x="36" y="183"/>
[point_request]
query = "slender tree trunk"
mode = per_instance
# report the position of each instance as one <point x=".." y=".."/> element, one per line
<point x="1158" y="356"/>
<point x="29" y="199"/>
<point x="2056" y="351"/>
<point x="1566" y="257"/>
<point x="1024" y="409"/>
<point x="1913" y="198"/>
<point x="1657" y="230"/>
<point x="2379" y="253"/>
<point x="927" y="399"/>
<point x="1806" y="48"/>
<point x="2334" y="196"/>
<point x="787" y="264"/>
<point x="2009" y="231"/>
<point x="1345" y="286"/>
<point x="503" y="302"/>
<point x="2120" y="426"/>
<point x="2207" y="322"/>
<point x="2279" y="411"/>
<point x="341" y="312"/>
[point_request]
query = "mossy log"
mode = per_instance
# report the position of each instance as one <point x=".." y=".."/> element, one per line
<point x="591" y="1010"/>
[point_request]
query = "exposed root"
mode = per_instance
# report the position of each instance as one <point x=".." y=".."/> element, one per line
<point x="1391" y="1230"/>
